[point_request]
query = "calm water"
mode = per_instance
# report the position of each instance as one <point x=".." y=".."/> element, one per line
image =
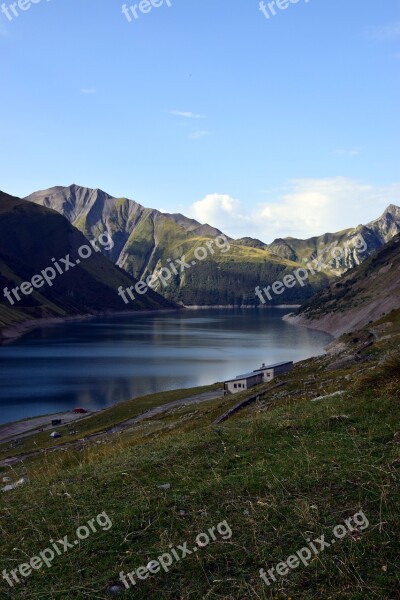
<point x="98" y="363"/>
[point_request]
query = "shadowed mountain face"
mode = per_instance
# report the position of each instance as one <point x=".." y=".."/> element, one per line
<point x="145" y="240"/>
<point x="374" y="234"/>
<point x="364" y="294"/>
<point x="30" y="237"/>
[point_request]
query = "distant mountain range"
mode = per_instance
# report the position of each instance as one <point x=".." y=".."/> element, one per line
<point x="375" y="235"/>
<point x="30" y="237"/>
<point x="144" y="240"/>
<point x="364" y="294"/>
<point x="53" y="223"/>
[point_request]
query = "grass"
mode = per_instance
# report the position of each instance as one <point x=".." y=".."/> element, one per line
<point x="283" y="470"/>
<point x="103" y="420"/>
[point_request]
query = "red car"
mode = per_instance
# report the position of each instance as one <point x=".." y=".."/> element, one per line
<point x="80" y="411"/>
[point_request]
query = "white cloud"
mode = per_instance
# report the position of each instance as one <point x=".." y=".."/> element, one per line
<point x="311" y="207"/>
<point x="197" y="135"/>
<point x="384" y="32"/>
<point x="218" y="208"/>
<point x="186" y="115"/>
<point x="88" y="91"/>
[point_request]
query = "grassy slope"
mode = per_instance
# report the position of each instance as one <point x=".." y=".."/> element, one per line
<point x="280" y="471"/>
<point x="100" y="421"/>
<point x="370" y="289"/>
<point x="302" y="250"/>
<point x="222" y="278"/>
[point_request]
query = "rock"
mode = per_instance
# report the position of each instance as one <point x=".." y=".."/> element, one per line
<point x="164" y="486"/>
<point x="115" y="588"/>
<point x="342" y="363"/>
<point x="339" y="393"/>
<point x="15" y="485"/>
<point x="396" y="439"/>
<point x="336" y="347"/>
<point x="339" y="419"/>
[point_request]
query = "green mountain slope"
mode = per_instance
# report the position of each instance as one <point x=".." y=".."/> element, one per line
<point x="30" y="237"/>
<point x="146" y="239"/>
<point x="357" y="244"/>
<point x="363" y="294"/>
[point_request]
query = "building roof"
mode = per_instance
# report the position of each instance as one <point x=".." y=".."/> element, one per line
<point x="245" y="376"/>
<point x="248" y="375"/>
<point x="280" y="364"/>
<point x="259" y="371"/>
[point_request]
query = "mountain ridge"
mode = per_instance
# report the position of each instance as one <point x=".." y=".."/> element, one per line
<point x="32" y="237"/>
<point x="376" y="234"/>
<point x="146" y="240"/>
<point x="390" y="217"/>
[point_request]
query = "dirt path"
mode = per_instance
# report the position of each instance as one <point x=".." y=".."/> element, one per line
<point x="157" y="410"/>
<point x="21" y="429"/>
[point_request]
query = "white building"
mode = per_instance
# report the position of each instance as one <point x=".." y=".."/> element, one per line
<point x="272" y="371"/>
<point x="263" y="374"/>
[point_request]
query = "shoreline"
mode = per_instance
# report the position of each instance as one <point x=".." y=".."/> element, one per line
<point x="232" y="306"/>
<point x="14" y="332"/>
<point x="335" y="325"/>
<point x="301" y="321"/>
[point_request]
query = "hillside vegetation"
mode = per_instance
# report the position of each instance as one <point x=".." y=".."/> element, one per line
<point x="289" y="467"/>
<point x="361" y="295"/>
<point x="30" y="237"/>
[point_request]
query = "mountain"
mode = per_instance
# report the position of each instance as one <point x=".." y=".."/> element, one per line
<point x="32" y="236"/>
<point x="146" y="240"/>
<point x="362" y="295"/>
<point x="371" y="238"/>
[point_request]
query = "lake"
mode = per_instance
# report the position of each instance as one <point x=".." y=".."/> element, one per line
<point x="95" y="364"/>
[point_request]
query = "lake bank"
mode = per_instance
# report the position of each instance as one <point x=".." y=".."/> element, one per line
<point x="13" y="332"/>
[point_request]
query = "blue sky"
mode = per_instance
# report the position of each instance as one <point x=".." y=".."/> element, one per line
<point x="263" y="127"/>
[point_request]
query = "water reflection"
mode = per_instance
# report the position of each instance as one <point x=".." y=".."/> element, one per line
<point x="98" y="363"/>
